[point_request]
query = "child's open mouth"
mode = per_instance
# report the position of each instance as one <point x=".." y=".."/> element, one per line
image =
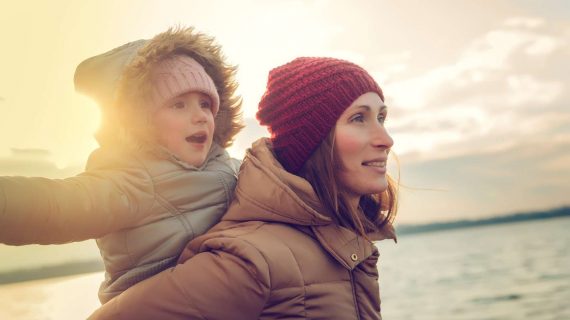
<point x="197" y="138"/>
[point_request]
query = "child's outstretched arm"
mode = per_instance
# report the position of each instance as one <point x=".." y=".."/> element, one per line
<point x="87" y="206"/>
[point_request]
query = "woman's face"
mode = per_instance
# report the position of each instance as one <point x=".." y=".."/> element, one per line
<point x="362" y="145"/>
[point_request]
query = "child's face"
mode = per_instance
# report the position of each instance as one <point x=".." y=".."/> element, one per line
<point x="185" y="126"/>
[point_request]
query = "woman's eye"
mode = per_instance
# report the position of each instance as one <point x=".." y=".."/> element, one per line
<point x="178" y="105"/>
<point x="381" y="118"/>
<point x="357" y="118"/>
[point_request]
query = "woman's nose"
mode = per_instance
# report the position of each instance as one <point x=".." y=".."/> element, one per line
<point x="381" y="137"/>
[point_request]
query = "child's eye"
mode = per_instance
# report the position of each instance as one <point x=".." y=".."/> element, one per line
<point x="205" y="104"/>
<point x="178" y="105"/>
<point x="359" y="117"/>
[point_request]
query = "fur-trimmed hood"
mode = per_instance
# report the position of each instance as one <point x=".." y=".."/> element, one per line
<point x="119" y="79"/>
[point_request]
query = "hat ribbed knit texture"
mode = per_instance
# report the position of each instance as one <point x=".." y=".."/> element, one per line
<point x="303" y="101"/>
<point x="181" y="74"/>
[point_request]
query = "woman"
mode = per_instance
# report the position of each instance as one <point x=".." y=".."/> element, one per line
<point x="297" y="240"/>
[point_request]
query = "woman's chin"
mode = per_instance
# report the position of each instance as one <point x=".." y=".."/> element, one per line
<point x="377" y="188"/>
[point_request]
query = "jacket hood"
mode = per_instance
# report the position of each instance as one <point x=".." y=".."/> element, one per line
<point x="267" y="192"/>
<point x="119" y="80"/>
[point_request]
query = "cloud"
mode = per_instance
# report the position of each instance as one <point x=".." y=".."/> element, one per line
<point x="489" y="131"/>
<point x="252" y="132"/>
<point x="551" y="9"/>
<point x="520" y="178"/>
<point x="482" y="65"/>
<point x="505" y="86"/>
<point x="30" y="152"/>
<point x="34" y="163"/>
<point x="523" y="22"/>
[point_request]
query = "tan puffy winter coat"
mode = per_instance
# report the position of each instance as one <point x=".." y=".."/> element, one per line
<point x="273" y="256"/>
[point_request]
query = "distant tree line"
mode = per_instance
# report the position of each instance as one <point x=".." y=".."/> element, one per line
<point x="517" y="217"/>
<point x="52" y="271"/>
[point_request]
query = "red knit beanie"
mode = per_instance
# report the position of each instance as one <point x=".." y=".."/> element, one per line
<point x="304" y="99"/>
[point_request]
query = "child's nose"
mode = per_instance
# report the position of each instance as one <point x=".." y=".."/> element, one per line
<point x="198" y="114"/>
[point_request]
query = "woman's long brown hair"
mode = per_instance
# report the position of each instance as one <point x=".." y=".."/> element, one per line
<point x="373" y="212"/>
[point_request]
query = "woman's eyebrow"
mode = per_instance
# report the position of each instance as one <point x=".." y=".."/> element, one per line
<point x="367" y="107"/>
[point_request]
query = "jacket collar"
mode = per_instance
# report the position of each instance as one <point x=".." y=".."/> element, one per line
<point x="347" y="247"/>
<point x="267" y="192"/>
<point x="215" y="151"/>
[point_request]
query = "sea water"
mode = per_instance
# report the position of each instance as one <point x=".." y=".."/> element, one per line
<point x="508" y="271"/>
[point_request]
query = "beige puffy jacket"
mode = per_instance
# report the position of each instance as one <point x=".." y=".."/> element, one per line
<point x="141" y="209"/>
<point x="273" y="256"/>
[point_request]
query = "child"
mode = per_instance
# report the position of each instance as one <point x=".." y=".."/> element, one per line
<point x="161" y="175"/>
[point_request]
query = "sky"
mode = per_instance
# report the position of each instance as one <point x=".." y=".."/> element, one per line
<point x="477" y="90"/>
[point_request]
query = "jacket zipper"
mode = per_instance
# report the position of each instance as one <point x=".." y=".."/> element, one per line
<point x="354" y="295"/>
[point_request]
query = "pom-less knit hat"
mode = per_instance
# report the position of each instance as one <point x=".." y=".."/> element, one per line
<point x="303" y="101"/>
<point x="181" y="74"/>
<point x="170" y="77"/>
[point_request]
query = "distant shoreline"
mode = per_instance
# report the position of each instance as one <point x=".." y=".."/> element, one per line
<point x="81" y="267"/>
<point x="52" y="271"/>
<point x="517" y="217"/>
